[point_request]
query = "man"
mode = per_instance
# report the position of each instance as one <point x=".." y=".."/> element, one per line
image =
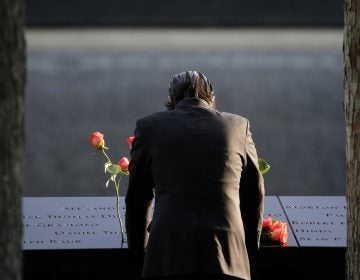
<point x="201" y="166"/>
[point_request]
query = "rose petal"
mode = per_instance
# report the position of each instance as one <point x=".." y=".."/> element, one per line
<point x="124" y="163"/>
<point x="97" y="139"/>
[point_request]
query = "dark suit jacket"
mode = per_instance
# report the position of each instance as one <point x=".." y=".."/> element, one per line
<point x="201" y="166"/>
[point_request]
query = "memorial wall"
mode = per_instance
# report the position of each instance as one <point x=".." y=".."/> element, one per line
<point x="81" y="237"/>
<point x="91" y="222"/>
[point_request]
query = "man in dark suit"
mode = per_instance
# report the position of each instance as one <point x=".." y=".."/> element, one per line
<point x="201" y="166"/>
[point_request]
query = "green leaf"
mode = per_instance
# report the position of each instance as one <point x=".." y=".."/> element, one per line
<point x="113" y="169"/>
<point x="263" y="166"/>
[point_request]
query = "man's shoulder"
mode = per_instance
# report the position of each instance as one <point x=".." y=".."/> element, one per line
<point x="153" y="117"/>
<point x="234" y="117"/>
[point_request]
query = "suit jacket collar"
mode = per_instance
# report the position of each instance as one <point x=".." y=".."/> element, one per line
<point x="192" y="102"/>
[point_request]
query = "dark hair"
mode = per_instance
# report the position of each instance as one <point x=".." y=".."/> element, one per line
<point x="190" y="84"/>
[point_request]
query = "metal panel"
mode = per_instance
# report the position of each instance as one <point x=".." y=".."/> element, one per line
<point x="91" y="222"/>
<point x="274" y="210"/>
<point x="317" y="221"/>
<point x="71" y="223"/>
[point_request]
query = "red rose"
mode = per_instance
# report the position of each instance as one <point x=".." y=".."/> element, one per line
<point x="97" y="140"/>
<point x="280" y="233"/>
<point x="267" y="223"/>
<point x="130" y="140"/>
<point x="124" y="164"/>
<point x="275" y="225"/>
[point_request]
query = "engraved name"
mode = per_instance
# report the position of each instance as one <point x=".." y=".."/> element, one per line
<point x="75" y="233"/>
<point x="64" y="241"/>
<point x="317" y="223"/>
<point x="31" y="217"/>
<point x="70" y="216"/>
<point x="86" y="208"/>
<point x="44" y="225"/>
<point x="320" y="239"/>
<point x="110" y="232"/>
<point x="313" y="230"/>
<point x="313" y="207"/>
<point x="52" y="241"/>
<point x="273" y="215"/>
<point x="336" y="215"/>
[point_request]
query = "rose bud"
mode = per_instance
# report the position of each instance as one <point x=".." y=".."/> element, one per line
<point x="267" y="223"/>
<point x="124" y="164"/>
<point x="97" y="140"/>
<point x="130" y="140"/>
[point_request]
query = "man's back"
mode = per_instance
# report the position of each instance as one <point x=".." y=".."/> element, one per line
<point x="194" y="158"/>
